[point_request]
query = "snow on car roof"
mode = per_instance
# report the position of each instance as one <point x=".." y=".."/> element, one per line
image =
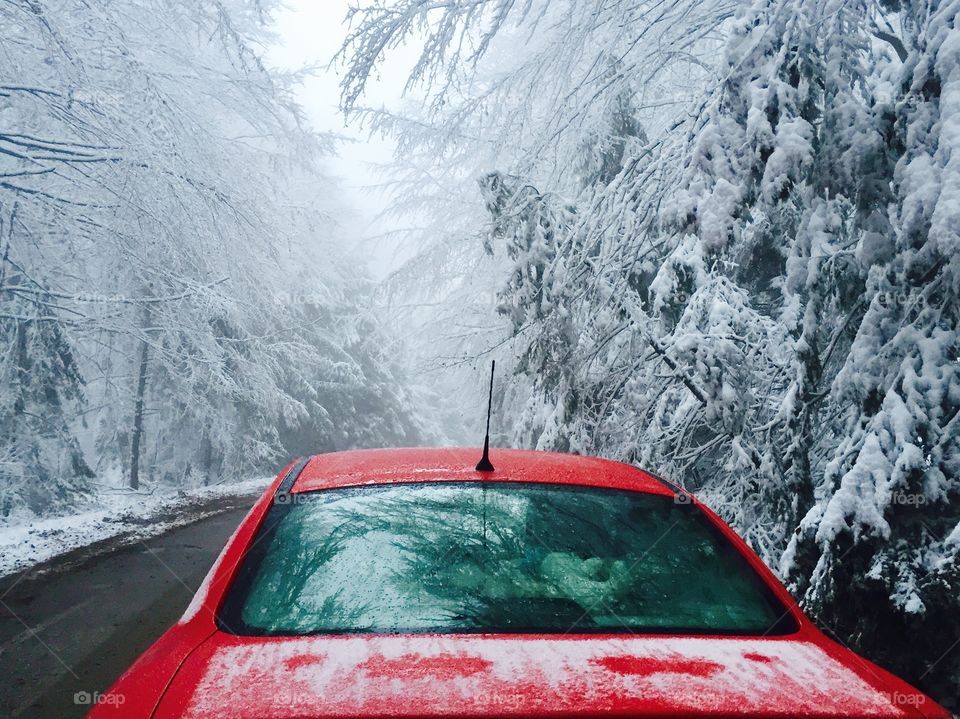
<point x="393" y="466"/>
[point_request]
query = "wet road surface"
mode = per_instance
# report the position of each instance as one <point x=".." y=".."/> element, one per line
<point x="67" y="632"/>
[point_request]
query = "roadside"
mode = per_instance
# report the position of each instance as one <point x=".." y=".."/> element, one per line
<point x="122" y="520"/>
<point x="70" y="626"/>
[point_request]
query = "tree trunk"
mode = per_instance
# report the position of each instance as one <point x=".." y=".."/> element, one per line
<point x="138" y="419"/>
<point x="207" y="451"/>
<point x="7" y="241"/>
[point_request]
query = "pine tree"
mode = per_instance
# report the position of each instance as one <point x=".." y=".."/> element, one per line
<point x="758" y="299"/>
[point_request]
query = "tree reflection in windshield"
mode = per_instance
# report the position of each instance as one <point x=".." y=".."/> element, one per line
<point x="492" y="557"/>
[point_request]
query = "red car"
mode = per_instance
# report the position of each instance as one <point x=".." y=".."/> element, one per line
<point x="406" y="583"/>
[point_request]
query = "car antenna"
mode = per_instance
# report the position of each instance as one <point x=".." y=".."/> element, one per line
<point x="484" y="464"/>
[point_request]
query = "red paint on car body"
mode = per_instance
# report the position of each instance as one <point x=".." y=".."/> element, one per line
<point x="388" y="466"/>
<point x="443" y="667"/>
<point x="645" y="666"/>
<point x="196" y="671"/>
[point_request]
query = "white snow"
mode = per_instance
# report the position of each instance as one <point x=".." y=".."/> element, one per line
<point x="854" y="505"/>
<point x="135" y="515"/>
<point x="388" y="675"/>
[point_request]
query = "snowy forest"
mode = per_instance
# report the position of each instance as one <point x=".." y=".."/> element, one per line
<point x="718" y="239"/>
<point x="175" y="307"/>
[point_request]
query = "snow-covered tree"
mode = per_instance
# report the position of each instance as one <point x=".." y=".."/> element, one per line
<point x="753" y="291"/>
<point x="887" y="524"/>
<point x="174" y="304"/>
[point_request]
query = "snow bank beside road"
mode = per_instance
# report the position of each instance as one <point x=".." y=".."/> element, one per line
<point x="126" y="517"/>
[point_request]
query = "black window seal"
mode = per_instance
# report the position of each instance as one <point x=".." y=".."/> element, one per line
<point x="282" y="495"/>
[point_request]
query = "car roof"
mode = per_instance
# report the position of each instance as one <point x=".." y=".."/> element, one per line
<point x="449" y="464"/>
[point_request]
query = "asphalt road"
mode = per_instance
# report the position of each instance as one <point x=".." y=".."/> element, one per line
<point x="68" y="629"/>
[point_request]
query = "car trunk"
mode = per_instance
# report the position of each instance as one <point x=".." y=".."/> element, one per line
<point x="233" y="677"/>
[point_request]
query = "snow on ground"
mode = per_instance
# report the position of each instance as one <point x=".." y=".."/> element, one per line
<point x="133" y="515"/>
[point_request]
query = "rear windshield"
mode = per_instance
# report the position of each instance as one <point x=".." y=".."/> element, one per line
<point x="494" y="557"/>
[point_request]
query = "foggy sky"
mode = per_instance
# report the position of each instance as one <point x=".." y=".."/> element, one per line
<point x="309" y="33"/>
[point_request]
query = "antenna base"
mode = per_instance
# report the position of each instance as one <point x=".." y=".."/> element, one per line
<point x="484" y="465"/>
